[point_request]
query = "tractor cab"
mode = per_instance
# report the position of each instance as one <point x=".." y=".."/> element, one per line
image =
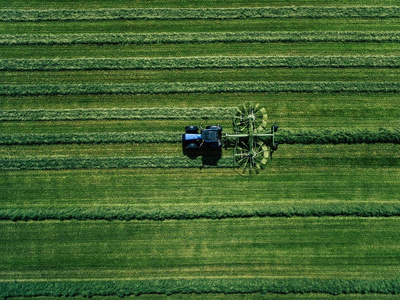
<point x="212" y="136"/>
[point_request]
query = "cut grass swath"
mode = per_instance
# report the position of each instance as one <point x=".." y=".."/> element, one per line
<point x="118" y="114"/>
<point x="90" y="138"/>
<point x="201" y="211"/>
<point x="202" y="37"/>
<point x="311" y="12"/>
<point x="200" y="62"/>
<point x="199" y="87"/>
<point x="107" y="163"/>
<point x="327" y="136"/>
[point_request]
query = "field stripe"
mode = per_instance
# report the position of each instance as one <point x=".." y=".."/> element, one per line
<point x="200" y="62"/>
<point x="312" y="12"/>
<point x="343" y="136"/>
<point x="199" y="87"/>
<point x="204" y="211"/>
<point x="89" y="138"/>
<point x="106" y="163"/>
<point x="202" y="37"/>
<point x="197" y="286"/>
<point x="118" y="114"/>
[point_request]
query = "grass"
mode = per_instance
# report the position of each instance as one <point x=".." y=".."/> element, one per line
<point x="227" y="62"/>
<point x="304" y="218"/>
<point x="217" y="49"/>
<point x="336" y="24"/>
<point x="20" y="4"/>
<point x="200" y="37"/>
<point x="299" y="174"/>
<point x="205" y="75"/>
<point x="322" y="248"/>
<point x="235" y="296"/>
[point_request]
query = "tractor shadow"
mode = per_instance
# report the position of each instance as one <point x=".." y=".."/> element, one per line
<point x="209" y="157"/>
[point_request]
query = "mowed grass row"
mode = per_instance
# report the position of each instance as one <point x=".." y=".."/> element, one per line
<point x="199" y="87"/>
<point x="312" y="12"/>
<point x="120" y="114"/>
<point x="107" y="163"/>
<point x="202" y="25"/>
<point x="70" y="4"/>
<point x="311" y="248"/>
<point x="343" y="136"/>
<point x="218" y="76"/>
<point x="201" y="63"/>
<point x="200" y="37"/>
<point x="200" y="49"/>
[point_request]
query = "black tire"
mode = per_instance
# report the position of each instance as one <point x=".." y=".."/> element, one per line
<point x="192" y="146"/>
<point x="192" y="129"/>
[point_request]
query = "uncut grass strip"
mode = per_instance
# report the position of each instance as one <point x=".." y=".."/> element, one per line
<point x="199" y="87"/>
<point x="107" y="163"/>
<point x="117" y="114"/>
<point x="339" y="136"/>
<point x="202" y="37"/>
<point x="160" y="213"/>
<point x="312" y="12"/>
<point x="89" y="138"/>
<point x="200" y="62"/>
<point x="123" y="288"/>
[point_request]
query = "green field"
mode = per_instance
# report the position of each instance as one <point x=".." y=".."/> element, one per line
<point x="98" y="199"/>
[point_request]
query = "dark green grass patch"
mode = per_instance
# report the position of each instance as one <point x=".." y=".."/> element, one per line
<point x="199" y="286"/>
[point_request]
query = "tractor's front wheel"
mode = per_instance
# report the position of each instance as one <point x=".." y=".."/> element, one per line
<point x="192" y="129"/>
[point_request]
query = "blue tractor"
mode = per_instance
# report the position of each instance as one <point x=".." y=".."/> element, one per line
<point x="209" y="138"/>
